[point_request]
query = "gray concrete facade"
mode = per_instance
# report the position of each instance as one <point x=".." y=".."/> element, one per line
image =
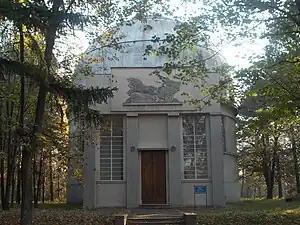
<point x="132" y="161"/>
<point x="174" y="140"/>
<point x="152" y="120"/>
<point x="222" y="179"/>
<point x="90" y="172"/>
<point x="217" y="160"/>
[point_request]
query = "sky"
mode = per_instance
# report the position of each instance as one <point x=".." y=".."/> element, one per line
<point x="236" y="56"/>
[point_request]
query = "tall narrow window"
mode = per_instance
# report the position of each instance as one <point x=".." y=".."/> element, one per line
<point x="223" y="133"/>
<point x="111" y="149"/>
<point x="194" y="147"/>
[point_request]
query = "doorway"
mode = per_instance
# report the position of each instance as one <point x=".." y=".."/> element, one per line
<point x="153" y="172"/>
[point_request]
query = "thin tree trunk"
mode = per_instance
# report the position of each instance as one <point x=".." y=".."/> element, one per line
<point x="270" y="186"/>
<point x="268" y="167"/>
<point x="2" y="182"/>
<point x="1" y="159"/>
<point x="13" y="182"/>
<point x="296" y="167"/>
<point x="279" y="179"/>
<point x="35" y="205"/>
<point x="43" y="185"/>
<point x="58" y="187"/>
<point x="21" y="116"/>
<point x="51" y="178"/>
<point x="18" y="194"/>
<point x="39" y="181"/>
<point x="9" y="112"/>
<point x="243" y="182"/>
<point x="278" y="166"/>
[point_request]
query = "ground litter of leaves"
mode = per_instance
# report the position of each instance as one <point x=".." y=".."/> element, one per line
<point x="81" y="217"/>
<point x="262" y="212"/>
<point x="58" y="217"/>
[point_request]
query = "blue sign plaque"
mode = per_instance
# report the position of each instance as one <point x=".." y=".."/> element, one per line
<point x="200" y="189"/>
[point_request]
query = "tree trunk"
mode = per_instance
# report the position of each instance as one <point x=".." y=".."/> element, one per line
<point x="296" y="167"/>
<point x="243" y="182"/>
<point x="278" y="166"/>
<point x="18" y="194"/>
<point x="270" y="186"/>
<point x="2" y="181"/>
<point x="2" y="158"/>
<point x="279" y="178"/>
<point x="51" y="178"/>
<point x="35" y="205"/>
<point x="22" y="114"/>
<point x="43" y="187"/>
<point x="268" y="167"/>
<point x="39" y="181"/>
<point x="26" y="207"/>
<point x="58" y="187"/>
<point x="13" y="184"/>
<point x="9" y="112"/>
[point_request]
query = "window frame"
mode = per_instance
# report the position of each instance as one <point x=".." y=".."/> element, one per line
<point x="196" y="150"/>
<point x="111" y="158"/>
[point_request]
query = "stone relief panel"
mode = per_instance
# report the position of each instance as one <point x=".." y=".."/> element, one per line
<point x="141" y="93"/>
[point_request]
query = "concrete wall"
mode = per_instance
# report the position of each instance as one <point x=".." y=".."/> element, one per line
<point x="111" y="194"/>
<point x="231" y="180"/>
<point x="118" y="78"/>
<point x="153" y="132"/>
<point x="163" y="131"/>
<point x="188" y="193"/>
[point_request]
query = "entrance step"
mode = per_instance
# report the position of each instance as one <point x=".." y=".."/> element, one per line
<point x="141" y="220"/>
<point x="154" y="218"/>
<point x="156" y="206"/>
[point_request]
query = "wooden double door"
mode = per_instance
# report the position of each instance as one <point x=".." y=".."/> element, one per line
<point x="153" y="172"/>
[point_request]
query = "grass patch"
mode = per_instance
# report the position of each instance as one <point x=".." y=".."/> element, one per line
<point x="253" y="212"/>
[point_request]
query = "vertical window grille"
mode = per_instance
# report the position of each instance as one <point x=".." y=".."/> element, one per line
<point x="111" y="148"/>
<point x="223" y="133"/>
<point x="194" y="147"/>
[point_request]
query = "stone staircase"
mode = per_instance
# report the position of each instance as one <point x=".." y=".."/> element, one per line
<point x="186" y="218"/>
<point x="170" y="220"/>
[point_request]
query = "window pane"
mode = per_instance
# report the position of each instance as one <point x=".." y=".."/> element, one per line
<point x="105" y="175"/>
<point x="105" y="147"/>
<point x="200" y="142"/>
<point x="189" y="174"/>
<point x="194" y="147"/>
<point x="223" y="133"/>
<point x="117" y="141"/>
<point x="111" y="148"/>
<point x="187" y="124"/>
<point x="188" y="146"/>
<point x="189" y="163"/>
<point x="105" y="163"/>
<point x="104" y="140"/>
<point x="105" y="127"/>
<point x="117" y="125"/>
<point x="117" y="163"/>
<point x="117" y="177"/>
<point x="199" y="124"/>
